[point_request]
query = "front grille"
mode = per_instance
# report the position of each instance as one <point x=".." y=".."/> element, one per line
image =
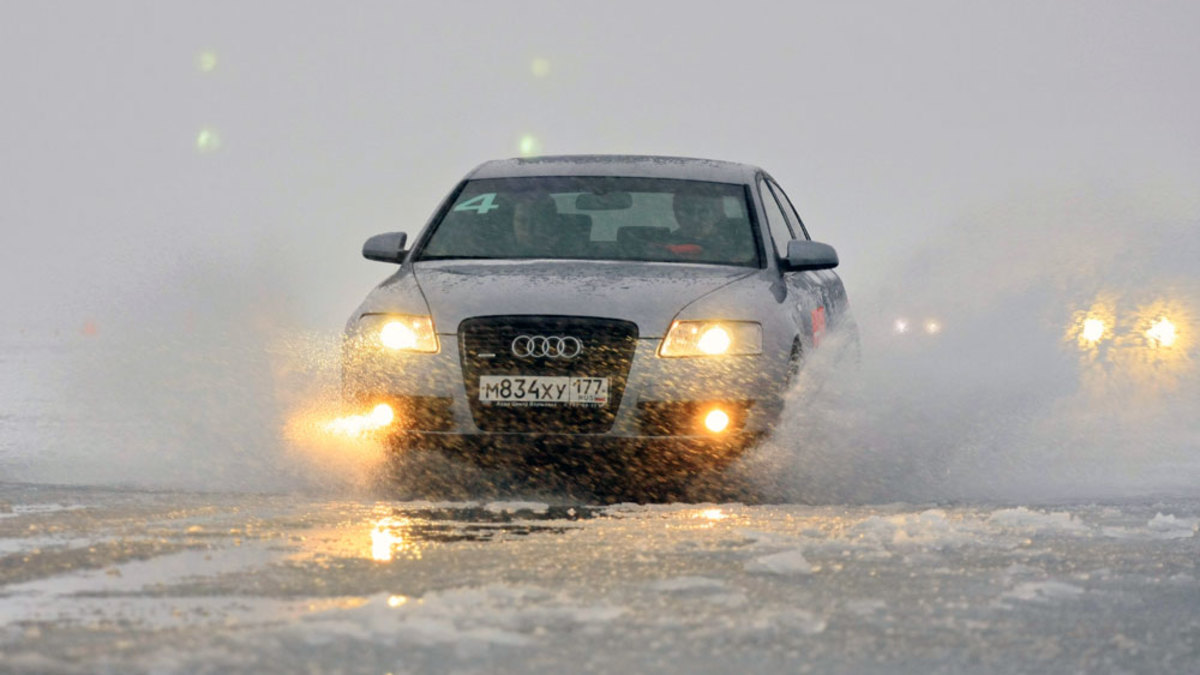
<point x="607" y="347"/>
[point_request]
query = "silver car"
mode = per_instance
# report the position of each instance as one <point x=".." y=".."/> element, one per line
<point x="567" y="307"/>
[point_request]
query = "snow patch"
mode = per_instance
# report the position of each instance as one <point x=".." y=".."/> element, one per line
<point x="927" y="529"/>
<point x="784" y="563"/>
<point x="866" y="606"/>
<point x="136" y="575"/>
<point x="469" y="619"/>
<point x="1022" y="518"/>
<point x="730" y="600"/>
<point x="1170" y="527"/>
<point x="1041" y="591"/>
<point x="9" y="511"/>
<point x="1016" y="570"/>
<point x="515" y="507"/>
<point x="767" y="539"/>
<point x="1161" y="526"/>
<point x="685" y="585"/>
<point x="784" y="622"/>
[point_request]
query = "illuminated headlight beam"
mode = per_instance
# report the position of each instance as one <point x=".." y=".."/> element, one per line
<point x="357" y="425"/>
<point x="1093" y="330"/>
<point x="1162" y="333"/>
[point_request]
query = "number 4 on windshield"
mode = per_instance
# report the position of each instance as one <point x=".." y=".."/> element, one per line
<point x="480" y="205"/>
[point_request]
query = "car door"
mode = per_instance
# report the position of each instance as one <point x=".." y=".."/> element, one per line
<point x="804" y="293"/>
<point x="833" y="292"/>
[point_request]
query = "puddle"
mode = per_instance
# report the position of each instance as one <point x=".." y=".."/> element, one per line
<point x="139" y="575"/>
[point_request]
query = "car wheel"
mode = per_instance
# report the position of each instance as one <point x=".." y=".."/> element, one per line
<point x="795" y="363"/>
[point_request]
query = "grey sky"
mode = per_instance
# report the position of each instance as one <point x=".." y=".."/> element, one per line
<point x="884" y="121"/>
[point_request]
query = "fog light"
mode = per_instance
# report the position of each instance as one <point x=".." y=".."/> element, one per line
<point x="716" y="421"/>
<point x="382" y="415"/>
<point x="359" y="425"/>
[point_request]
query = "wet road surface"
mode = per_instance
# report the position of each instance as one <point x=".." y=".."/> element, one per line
<point x="108" y="580"/>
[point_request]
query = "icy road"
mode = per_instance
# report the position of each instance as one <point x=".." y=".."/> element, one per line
<point x="99" y="580"/>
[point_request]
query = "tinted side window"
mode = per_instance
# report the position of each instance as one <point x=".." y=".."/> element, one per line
<point x="789" y="211"/>
<point x="781" y="234"/>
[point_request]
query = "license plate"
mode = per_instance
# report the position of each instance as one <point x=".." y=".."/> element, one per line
<point x="543" y="390"/>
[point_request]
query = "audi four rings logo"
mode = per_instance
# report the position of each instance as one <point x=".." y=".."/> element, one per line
<point x="552" y="346"/>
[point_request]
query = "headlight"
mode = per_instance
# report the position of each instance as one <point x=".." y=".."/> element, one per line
<point x="712" y="338"/>
<point x="1162" y="333"/>
<point x="1093" y="330"/>
<point x="399" y="332"/>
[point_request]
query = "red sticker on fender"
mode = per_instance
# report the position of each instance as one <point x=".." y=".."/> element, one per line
<point x="818" y="324"/>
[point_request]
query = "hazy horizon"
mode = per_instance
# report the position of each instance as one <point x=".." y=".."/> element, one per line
<point x="149" y="145"/>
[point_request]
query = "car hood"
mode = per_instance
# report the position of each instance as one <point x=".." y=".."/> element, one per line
<point x="649" y="294"/>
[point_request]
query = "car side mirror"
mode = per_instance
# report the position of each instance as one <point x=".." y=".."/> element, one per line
<point x="387" y="247"/>
<point x="804" y="255"/>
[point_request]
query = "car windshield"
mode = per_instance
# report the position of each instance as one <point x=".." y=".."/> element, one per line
<point x="597" y="218"/>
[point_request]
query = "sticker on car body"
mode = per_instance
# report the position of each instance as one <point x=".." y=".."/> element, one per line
<point x="481" y="204"/>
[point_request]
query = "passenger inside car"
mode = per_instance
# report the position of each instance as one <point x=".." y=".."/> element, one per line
<point x="705" y="229"/>
<point x="539" y="230"/>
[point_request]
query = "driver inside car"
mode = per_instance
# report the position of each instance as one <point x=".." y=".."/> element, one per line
<point x="704" y="230"/>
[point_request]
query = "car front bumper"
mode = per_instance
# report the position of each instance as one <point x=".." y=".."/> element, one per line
<point x="664" y="398"/>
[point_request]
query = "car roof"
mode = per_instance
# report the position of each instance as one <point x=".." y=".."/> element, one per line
<point x="638" y="166"/>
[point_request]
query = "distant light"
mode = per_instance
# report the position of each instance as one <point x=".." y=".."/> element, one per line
<point x="529" y="145"/>
<point x="1162" y="334"/>
<point x="540" y="67"/>
<point x="713" y="514"/>
<point x="716" y="421"/>
<point x="397" y="600"/>
<point x="208" y="140"/>
<point x="900" y="326"/>
<point x="206" y="62"/>
<point x="932" y="327"/>
<point x="1093" y="330"/>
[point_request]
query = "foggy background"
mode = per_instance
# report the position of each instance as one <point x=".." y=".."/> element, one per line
<point x="185" y="190"/>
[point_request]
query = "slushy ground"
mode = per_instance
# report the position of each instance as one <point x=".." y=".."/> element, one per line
<point x="127" y="581"/>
